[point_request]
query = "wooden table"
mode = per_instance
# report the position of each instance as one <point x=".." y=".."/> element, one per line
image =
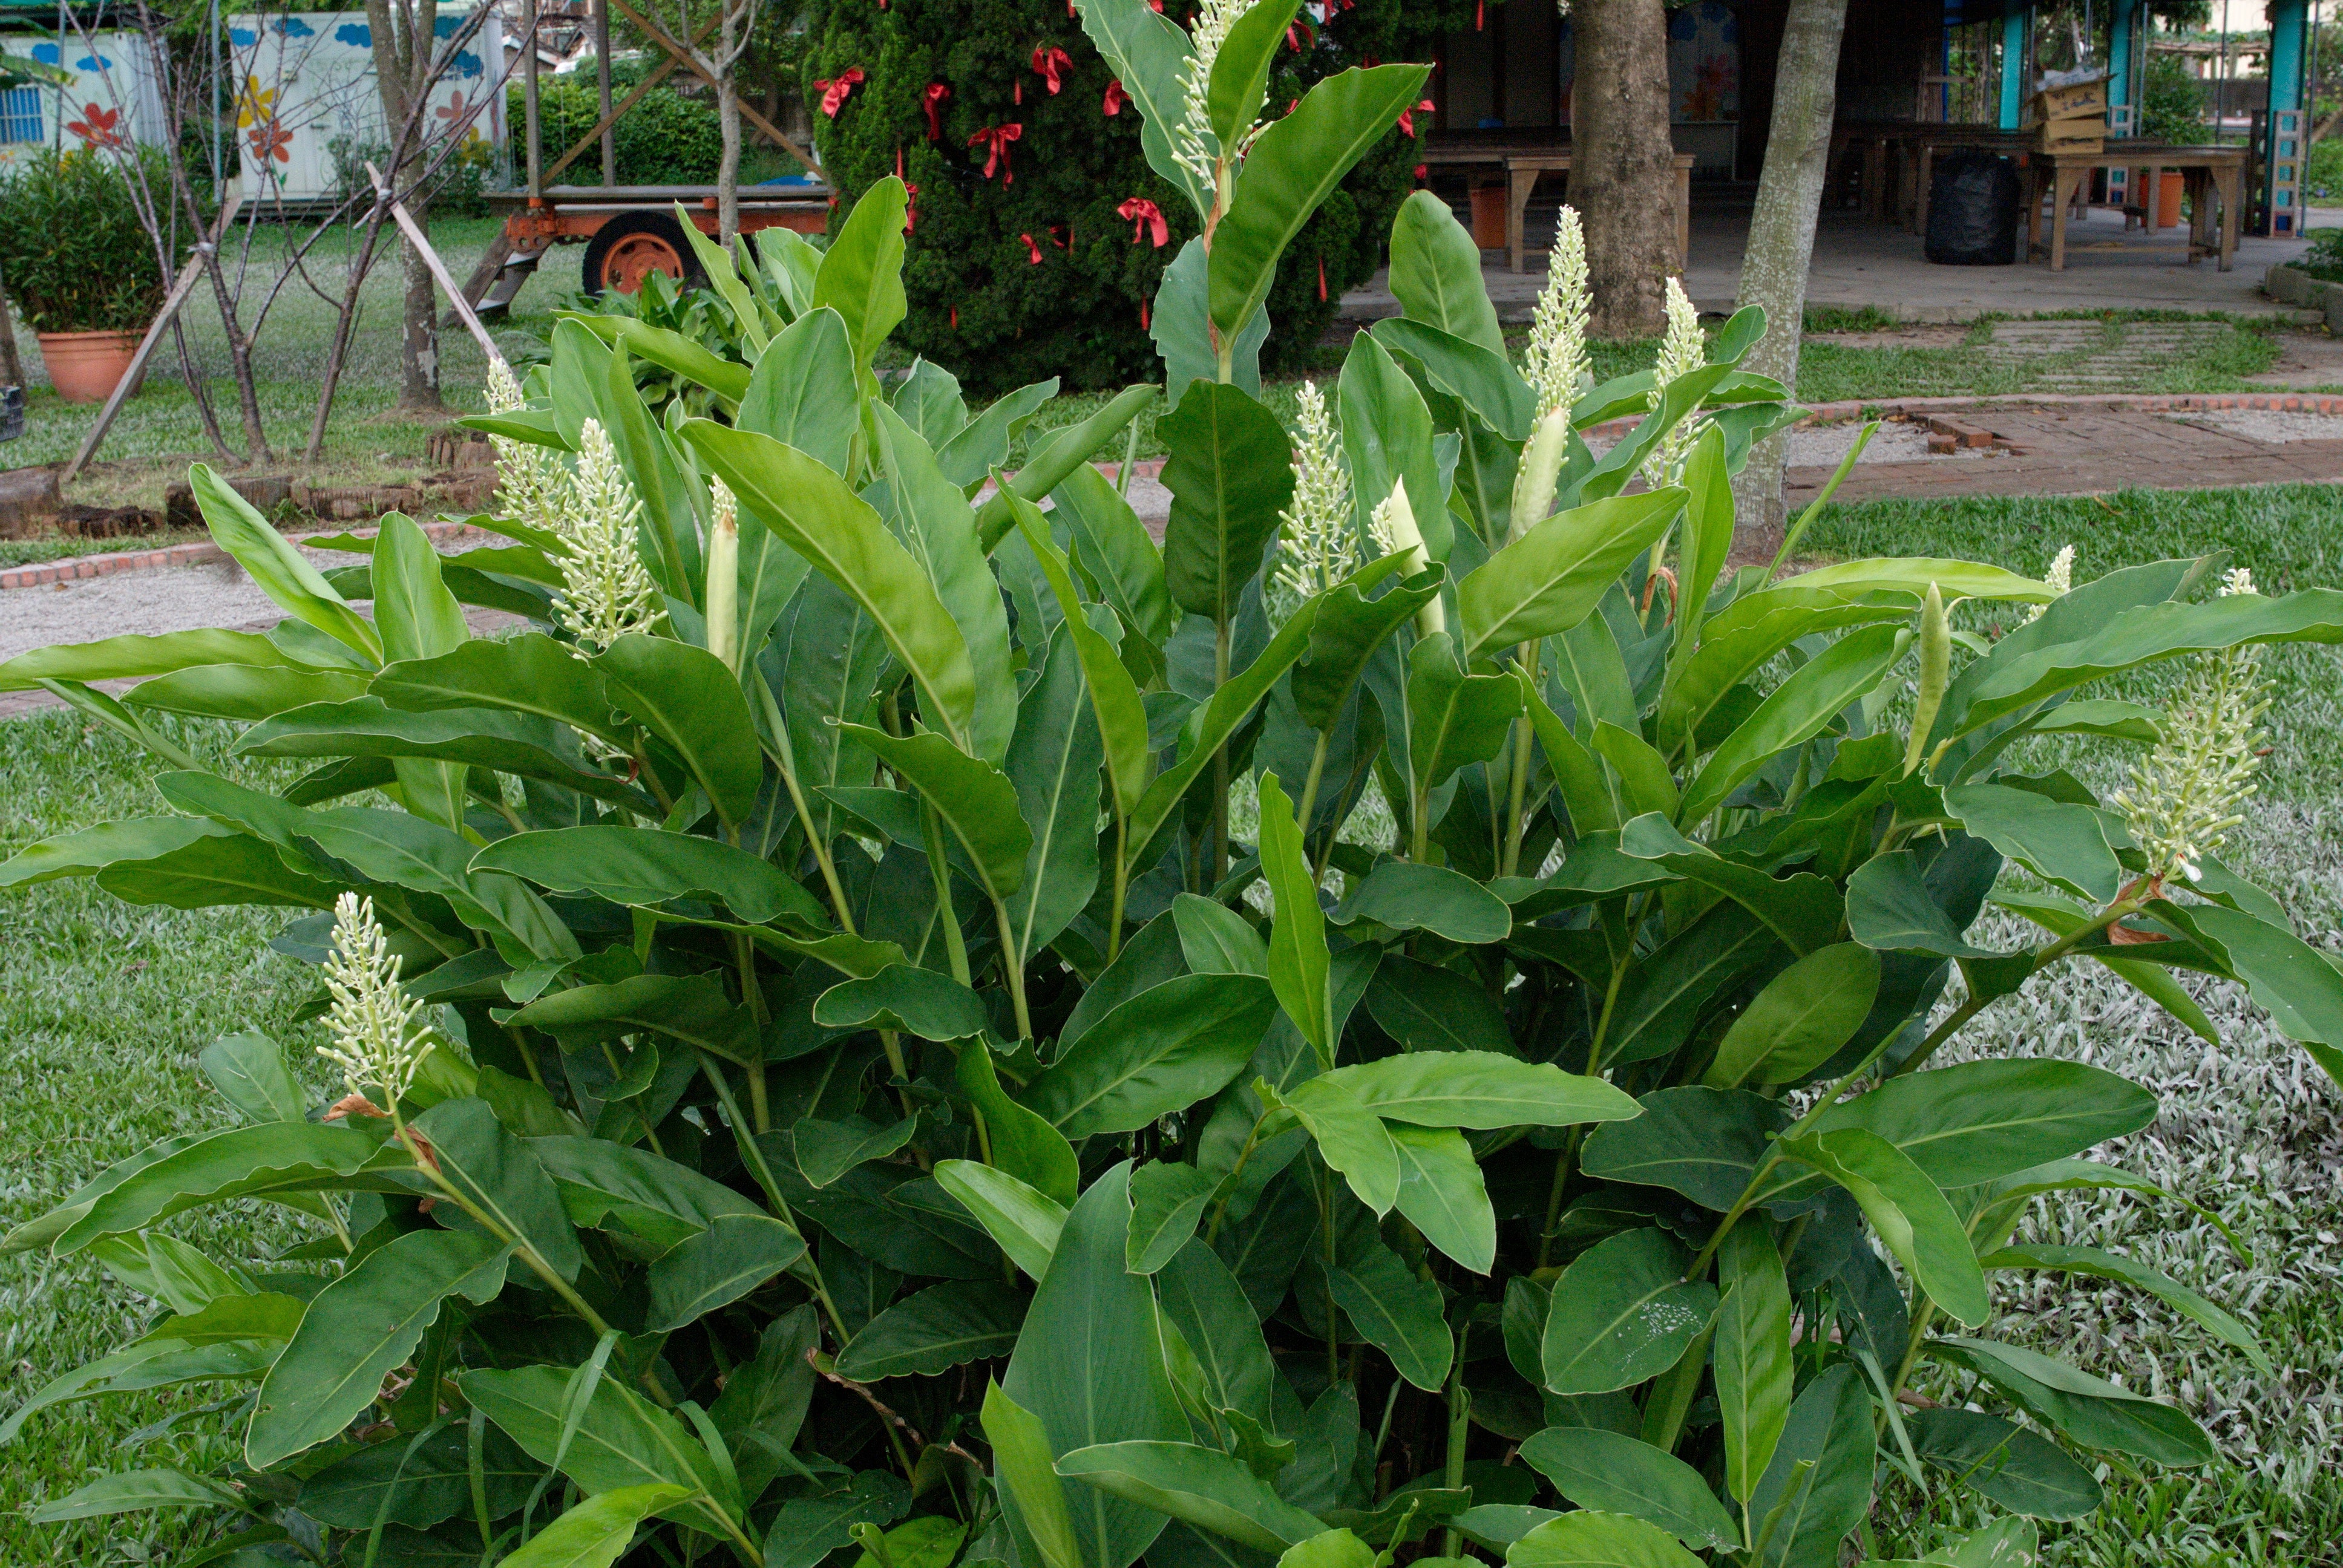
<point x="1521" y="172"/>
<point x="2210" y="172"/>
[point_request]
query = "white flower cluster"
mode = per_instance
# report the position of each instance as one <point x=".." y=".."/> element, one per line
<point x="1318" y="547"/>
<point x="606" y="592"/>
<point x="372" y="1022"/>
<point x="2060" y="579"/>
<point x="1557" y="359"/>
<point x="529" y="481"/>
<point x="1681" y="351"/>
<point x="2185" y="794"/>
<point x="1192" y="138"/>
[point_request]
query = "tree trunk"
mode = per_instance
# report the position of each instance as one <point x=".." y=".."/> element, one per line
<point x="402" y="46"/>
<point x="1623" y="165"/>
<point x="418" y="342"/>
<point x="1782" y="234"/>
<point x="727" y="171"/>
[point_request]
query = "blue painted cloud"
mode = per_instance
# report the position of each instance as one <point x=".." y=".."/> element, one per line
<point x="243" y="37"/>
<point x="94" y="63"/>
<point x="445" y="27"/>
<point x="357" y="34"/>
<point x="294" y="27"/>
<point x="466" y="64"/>
<point x="48" y="55"/>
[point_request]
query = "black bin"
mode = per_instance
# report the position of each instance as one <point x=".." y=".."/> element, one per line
<point x="1973" y="209"/>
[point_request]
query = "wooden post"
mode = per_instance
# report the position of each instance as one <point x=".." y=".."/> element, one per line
<point x="529" y="104"/>
<point x="602" y="86"/>
<point x="180" y="288"/>
<point x="416" y="236"/>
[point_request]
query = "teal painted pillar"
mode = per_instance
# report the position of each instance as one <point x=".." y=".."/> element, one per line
<point x="2014" y="28"/>
<point x="2123" y="38"/>
<point x="2288" y="28"/>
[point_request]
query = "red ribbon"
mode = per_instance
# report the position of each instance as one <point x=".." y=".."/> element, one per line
<point x="1407" y="116"/>
<point x="835" y="89"/>
<point x="1322" y="277"/>
<point x="996" y="140"/>
<point x="1145" y="215"/>
<point x="1480" y="14"/>
<point x="1115" y="97"/>
<point x="1421" y="170"/>
<point x="1052" y="64"/>
<point x="1032" y="251"/>
<point x="1142" y="313"/>
<point x="932" y="101"/>
<point x="910" y="193"/>
<point x="1300" y="35"/>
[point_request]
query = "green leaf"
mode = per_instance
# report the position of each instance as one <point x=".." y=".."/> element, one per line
<point x="1215" y="940"/>
<point x="2020" y="1469"/>
<point x="134" y="1491"/>
<point x="815" y="514"/>
<point x="974" y="799"/>
<point x="1618" y="1475"/>
<point x="862" y="275"/>
<point x="693" y="1009"/>
<point x="1552" y="577"/>
<point x="803" y="392"/>
<point x="279" y="570"/>
<point x="1241" y="70"/>
<point x="529" y="674"/>
<point x="249" y="692"/>
<point x="510" y="743"/>
<point x="1114" y="700"/>
<point x="2091" y="1411"/>
<point x="1205" y="1302"/>
<point x="1752" y="1352"/>
<point x="2062" y="842"/>
<point x="1230" y="477"/>
<point x="1427" y="1008"/>
<point x="1792" y="714"/>
<point x="1024" y="1221"/>
<point x="621" y="1440"/>
<point x="1386" y="433"/>
<point x="1396" y="1311"/>
<point x="663" y="1202"/>
<point x="1054" y="456"/>
<point x="1435" y="272"/>
<point x="1350" y="628"/>
<point x="1022" y="1143"/>
<point x="1032" y="1499"/>
<point x="206" y="870"/>
<point x="415" y="614"/>
<point x="92" y="849"/>
<point x="250" y="1072"/>
<point x="736" y="1253"/>
<point x="595" y="1532"/>
<point x="1162" y="1050"/>
<point x="1167" y="1199"/>
<point x="1119" y="555"/>
<point x="2105" y="1266"/>
<point x="826" y="1151"/>
<point x="686" y="697"/>
<point x="1053" y="761"/>
<point x="1477" y="1090"/>
<point x="1801" y="1018"/>
<point x="1978" y="1122"/>
<point x="1351" y="1140"/>
<point x="929" y="1540"/>
<point x="642" y="867"/>
<point x="1441" y="1194"/>
<point x="2302" y="990"/>
<point x="1331" y="1549"/>
<point x="1455" y="719"/>
<point x="1181" y="327"/>
<point x="1623" y="1313"/>
<point x="1298" y="959"/>
<point x="1820" y="1480"/>
<point x="2089" y="1175"/>
<point x="669" y="350"/>
<point x="1407" y="895"/>
<point x="1483" y="386"/>
<point x="809" y="1528"/>
<point x="1592" y="1539"/>
<point x="239" y="1162"/>
<point x="131" y="656"/>
<point x="1889" y="909"/>
<point x="500" y="1176"/>
<point x="1149" y="55"/>
<point x="423" y="1484"/>
<point x="1202" y="1486"/>
<point x="359" y="1328"/>
<point x="1089" y="1366"/>
<point x="1293" y="166"/>
<point x="915" y="1001"/>
<point x="1906" y="1208"/>
<point x="981" y="445"/>
<point x="1803" y="910"/>
<point x="940" y="1328"/>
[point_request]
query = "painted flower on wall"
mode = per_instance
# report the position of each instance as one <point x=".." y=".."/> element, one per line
<point x="270" y="140"/>
<point x="255" y="104"/>
<point x="99" y="128"/>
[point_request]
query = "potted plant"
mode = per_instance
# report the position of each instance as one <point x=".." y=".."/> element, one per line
<point x="79" y="266"/>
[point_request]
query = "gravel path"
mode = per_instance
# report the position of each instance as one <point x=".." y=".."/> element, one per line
<point x="2270" y="426"/>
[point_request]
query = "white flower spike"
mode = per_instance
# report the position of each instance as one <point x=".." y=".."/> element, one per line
<point x="1191" y="143"/>
<point x="372" y="1022"/>
<point x="529" y="481"/>
<point x="1681" y="351"/>
<point x="607" y="593"/>
<point x="1556" y="364"/>
<point x="2187" y="793"/>
<point x="1318" y="547"/>
<point x="2060" y="579"/>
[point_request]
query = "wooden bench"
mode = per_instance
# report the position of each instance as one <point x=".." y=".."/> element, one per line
<point x="1521" y="172"/>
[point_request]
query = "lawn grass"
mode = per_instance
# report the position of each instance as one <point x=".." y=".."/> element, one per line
<point x="104" y="1006"/>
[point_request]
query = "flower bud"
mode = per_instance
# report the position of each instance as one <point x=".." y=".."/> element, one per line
<point x="723" y="600"/>
<point x="1394" y="529"/>
<point x="1541" y="469"/>
<point x="1935" y="674"/>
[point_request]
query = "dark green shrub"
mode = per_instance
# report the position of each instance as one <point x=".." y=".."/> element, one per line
<point x="666" y="139"/>
<point x="73" y="252"/>
<point x="980" y="303"/>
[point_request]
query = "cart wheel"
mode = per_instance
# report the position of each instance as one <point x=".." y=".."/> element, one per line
<point x="631" y="245"/>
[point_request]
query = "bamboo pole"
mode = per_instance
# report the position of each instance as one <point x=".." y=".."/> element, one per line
<point x="602" y="92"/>
<point x="422" y="244"/>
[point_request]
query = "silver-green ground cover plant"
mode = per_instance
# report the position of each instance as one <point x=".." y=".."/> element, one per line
<point x="829" y="1075"/>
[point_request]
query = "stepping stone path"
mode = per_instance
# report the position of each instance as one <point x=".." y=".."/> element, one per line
<point x="2087" y="355"/>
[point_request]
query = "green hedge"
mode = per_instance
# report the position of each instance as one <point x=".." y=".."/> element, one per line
<point x="666" y="139"/>
<point x="979" y="304"/>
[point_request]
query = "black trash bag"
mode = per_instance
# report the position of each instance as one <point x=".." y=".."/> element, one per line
<point x="1972" y="210"/>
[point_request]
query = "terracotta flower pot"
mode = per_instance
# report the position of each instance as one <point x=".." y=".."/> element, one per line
<point x="86" y="367"/>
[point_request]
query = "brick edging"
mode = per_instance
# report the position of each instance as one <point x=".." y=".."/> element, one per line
<point x="74" y="568"/>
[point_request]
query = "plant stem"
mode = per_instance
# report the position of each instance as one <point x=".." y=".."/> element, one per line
<point x="955" y="947"/>
<point x="528" y="1254"/>
<point x="1514" y="825"/>
<point x="1460" y="1434"/>
<point x="1671" y="1397"/>
<point x="1221" y="757"/>
<point x="752" y="1152"/>
<point x="1122" y="884"/>
<point x="1012" y="968"/>
<point x="745" y="953"/>
<point x="784" y="755"/>
<point x="1309" y="785"/>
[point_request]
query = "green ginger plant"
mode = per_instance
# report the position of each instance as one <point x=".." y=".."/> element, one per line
<point x="829" y="1078"/>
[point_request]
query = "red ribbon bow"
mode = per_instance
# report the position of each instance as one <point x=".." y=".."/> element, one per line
<point x="932" y="102"/>
<point x="835" y="89"/>
<point x="1053" y="65"/>
<point x="1145" y="215"/>
<point x="996" y="140"/>
<point x="1407" y="116"/>
<point x="1300" y="35"/>
<point x="1115" y="97"/>
<point x="1032" y="251"/>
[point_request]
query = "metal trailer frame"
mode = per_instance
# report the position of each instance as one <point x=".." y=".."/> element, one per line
<point x="627" y="230"/>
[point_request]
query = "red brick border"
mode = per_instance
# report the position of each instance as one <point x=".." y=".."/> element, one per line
<point x="73" y="568"/>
